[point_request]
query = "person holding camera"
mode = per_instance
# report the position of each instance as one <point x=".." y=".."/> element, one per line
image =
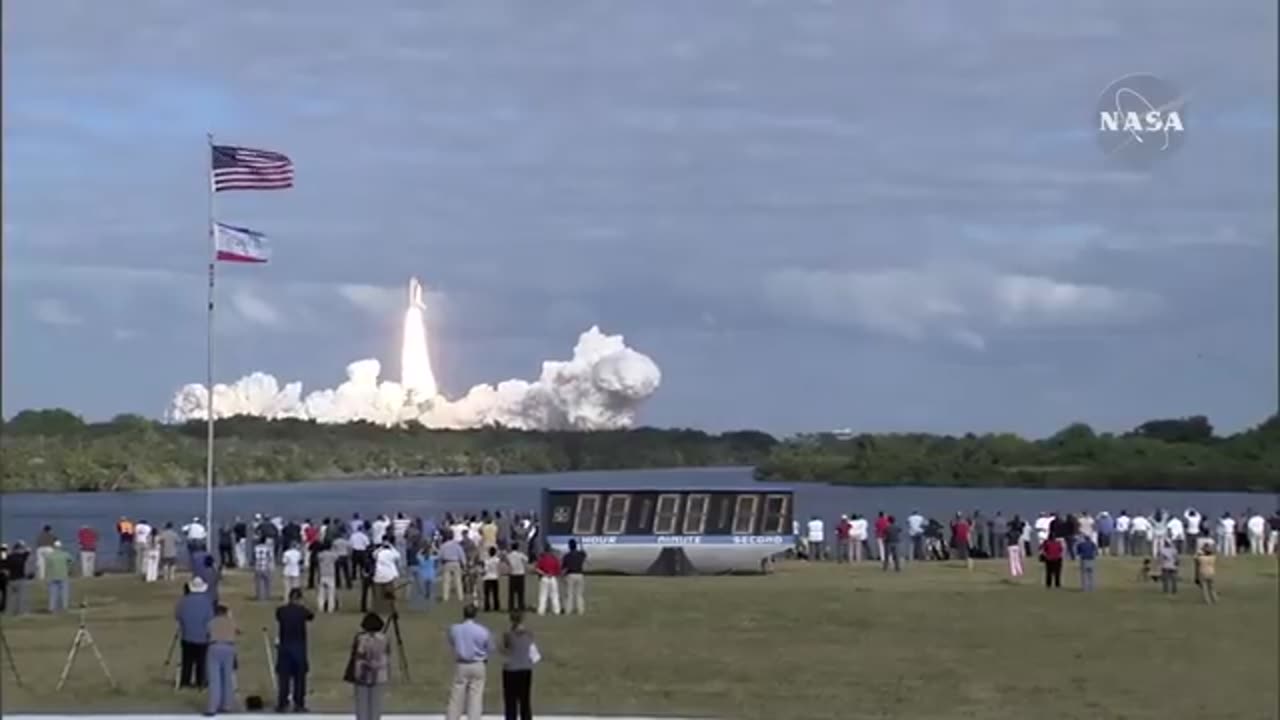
<point x="520" y="655"/>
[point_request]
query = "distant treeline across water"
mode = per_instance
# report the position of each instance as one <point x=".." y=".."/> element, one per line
<point x="56" y="451"/>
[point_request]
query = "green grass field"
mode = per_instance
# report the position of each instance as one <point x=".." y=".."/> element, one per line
<point x="810" y="641"/>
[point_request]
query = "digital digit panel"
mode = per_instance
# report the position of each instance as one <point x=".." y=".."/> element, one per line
<point x="587" y="516"/>
<point x="665" y="521"/>
<point x="695" y="514"/>
<point x="644" y="520"/>
<point x="615" y="514"/>
<point x="744" y="515"/>
<point x="775" y="514"/>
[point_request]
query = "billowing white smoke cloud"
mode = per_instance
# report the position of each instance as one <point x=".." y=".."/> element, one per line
<point x="600" y="388"/>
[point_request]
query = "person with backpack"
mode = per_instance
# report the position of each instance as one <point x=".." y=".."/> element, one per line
<point x="368" y="667"/>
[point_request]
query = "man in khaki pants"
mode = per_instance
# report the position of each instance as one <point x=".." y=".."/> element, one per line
<point x="452" y="559"/>
<point x="471" y="644"/>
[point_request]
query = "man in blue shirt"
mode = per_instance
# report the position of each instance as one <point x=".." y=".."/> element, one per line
<point x="1087" y="554"/>
<point x="471" y="643"/>
<point x="425" y="574"/>
<point x="193" y="613"/>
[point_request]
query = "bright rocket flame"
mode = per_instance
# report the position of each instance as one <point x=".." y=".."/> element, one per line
<point x="415" y="359"/>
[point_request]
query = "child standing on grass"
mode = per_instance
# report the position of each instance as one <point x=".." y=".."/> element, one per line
<point x="1168" y="568"/>
<point x="1205" y="572"/>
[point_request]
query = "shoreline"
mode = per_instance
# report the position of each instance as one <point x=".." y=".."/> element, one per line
<point x="755" y="476"/>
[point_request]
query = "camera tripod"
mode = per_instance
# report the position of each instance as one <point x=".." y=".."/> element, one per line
<point x="8" y="652"/>
<point x="84" y="637"/>
<point x="177" y="671"/>
<point x="393" y="621"/>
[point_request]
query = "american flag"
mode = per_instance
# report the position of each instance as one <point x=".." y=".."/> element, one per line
<point x="240" y="168"/>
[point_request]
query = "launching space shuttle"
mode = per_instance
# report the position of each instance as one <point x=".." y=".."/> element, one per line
<point x="415" y="294"/>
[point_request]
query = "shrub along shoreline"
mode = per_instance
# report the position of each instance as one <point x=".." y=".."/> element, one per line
<point x="56" y="451"/>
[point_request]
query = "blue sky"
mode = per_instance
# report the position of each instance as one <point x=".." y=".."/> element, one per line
<point x="810" y="214"/>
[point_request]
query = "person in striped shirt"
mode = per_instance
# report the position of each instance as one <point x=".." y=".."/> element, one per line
<point x="263" y="566"/>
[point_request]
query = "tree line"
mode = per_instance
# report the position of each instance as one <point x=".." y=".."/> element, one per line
<point x="1165" y="454"/>
<point x="56" y="450"/>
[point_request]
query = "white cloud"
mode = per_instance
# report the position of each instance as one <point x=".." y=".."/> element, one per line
<point x="383" y="301"/>
<point x="255" y="309"/>
<point x="52" y="311"/>
<point x="955" y="302"/>
<point x="377" y="300"/>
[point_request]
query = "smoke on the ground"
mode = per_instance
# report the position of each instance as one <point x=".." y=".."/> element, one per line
<point x="601" y="387"/>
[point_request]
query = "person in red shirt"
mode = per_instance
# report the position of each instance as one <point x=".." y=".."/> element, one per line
<point x="548" y="569"/>
<point x="1051" y="556"/>
<point x="960" y="539"/>
<point x="844" y="552"/>
<point x="88" y="538"/>
<point x="882" y="529"/>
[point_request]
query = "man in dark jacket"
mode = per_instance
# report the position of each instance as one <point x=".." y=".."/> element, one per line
<point x="16" y="577"/>
<point x="193" y="614"/>
<point x="291" y="658"/>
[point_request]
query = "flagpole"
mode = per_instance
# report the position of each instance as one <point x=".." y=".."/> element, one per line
<point x="213" y="255"/>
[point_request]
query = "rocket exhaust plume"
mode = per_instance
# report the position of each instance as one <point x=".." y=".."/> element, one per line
<point x="601" y="387"/>
<point x="415" y="358"/>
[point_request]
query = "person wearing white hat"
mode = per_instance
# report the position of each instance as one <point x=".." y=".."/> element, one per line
<point x="196" y="535"/>
<point x="193" y="614"/>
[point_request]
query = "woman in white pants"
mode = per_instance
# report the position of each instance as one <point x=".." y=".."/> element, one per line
<point x="548" y="569"/>
<point x="1014" y="547"/>
<point x="151" y="560"/>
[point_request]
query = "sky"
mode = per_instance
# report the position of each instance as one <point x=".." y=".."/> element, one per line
<point x="811" y="215"/>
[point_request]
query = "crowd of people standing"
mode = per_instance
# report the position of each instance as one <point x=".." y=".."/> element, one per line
<point x="1053" y="538"/>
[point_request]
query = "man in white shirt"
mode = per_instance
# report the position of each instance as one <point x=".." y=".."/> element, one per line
<point x="1256" y="526"/>
<point x="1159" y="533"/>
<point x="1120" y="539"/>
<point x="1042" y="528"/>
<point x="915" y="531"/>
<point x="1177" y="533"/>
<point x="1088" y="527"/>
<point x="378" y="530"/>
<point x="858" y="536"/>
<point x="399" y="526"/>
<point x="291" y="569"/>
<point x="458" y="531"/>
<point x="517" y="565"/>
<point x="1226" y="535"/>
<point x="141" y="543"/>
<point x="1139" y="535"/>
<point x="817" y="545"/>
<point x="196" y="535"/>
<point x="1193" y="523"/>
<point x="386" y="570"/>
